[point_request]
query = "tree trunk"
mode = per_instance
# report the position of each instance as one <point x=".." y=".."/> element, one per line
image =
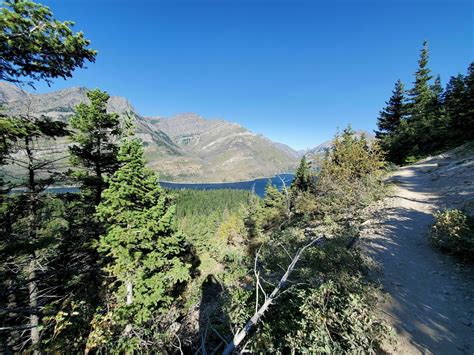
<point x="129" y="285"/>
<point x="32" y="282"/>
<point x="33" y="295"/>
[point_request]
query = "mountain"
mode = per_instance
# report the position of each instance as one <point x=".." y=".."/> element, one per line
<point x="186" y="147"/>
<point x="225" y="151"/>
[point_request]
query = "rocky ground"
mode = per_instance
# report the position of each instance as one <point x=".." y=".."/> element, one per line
<point x="427" y="296"/>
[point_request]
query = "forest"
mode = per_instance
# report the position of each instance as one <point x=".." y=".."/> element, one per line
<point x="127" y="266"/>
<point x="427" y="118"/>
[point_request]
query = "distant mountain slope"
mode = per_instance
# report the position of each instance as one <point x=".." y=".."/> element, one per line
<point x="183" y="148"/>
<point x="228" y="151"/>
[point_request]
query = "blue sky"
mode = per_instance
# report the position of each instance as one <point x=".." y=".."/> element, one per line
<point x="291" y="70"/>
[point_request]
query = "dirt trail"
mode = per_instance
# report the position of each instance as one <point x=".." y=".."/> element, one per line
<point x="429" y="296"/>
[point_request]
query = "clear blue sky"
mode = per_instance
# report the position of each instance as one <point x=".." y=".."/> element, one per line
<point x="293" y="71"/>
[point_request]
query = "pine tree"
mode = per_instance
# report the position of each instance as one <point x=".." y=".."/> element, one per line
<point x="144" y="249"/>
<point x="435" y="135"/>
<point x="455" y="105"/>
<point x="95" y="151"/>
<point x="421" y="93"/>
<point x="469" y="102"/>
<point x="303" y="178"/>
<point x="390" y="117"/>
<point x="34" y="45"/>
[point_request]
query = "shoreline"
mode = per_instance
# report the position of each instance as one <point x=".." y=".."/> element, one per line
<point x="223" y="182"/>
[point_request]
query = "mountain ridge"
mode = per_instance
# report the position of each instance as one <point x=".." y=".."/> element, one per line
<point x="185" y="147"/>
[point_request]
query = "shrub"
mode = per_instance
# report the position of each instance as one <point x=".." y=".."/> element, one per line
<point x="453" y="232"/>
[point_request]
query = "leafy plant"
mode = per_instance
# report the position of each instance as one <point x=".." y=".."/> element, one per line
<point x="453" y="232"/>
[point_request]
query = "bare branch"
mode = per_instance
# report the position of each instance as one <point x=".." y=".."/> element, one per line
<point x="241" y="335"/>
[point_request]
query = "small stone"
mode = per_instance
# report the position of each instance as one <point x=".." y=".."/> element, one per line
<point x="465" y="321"/>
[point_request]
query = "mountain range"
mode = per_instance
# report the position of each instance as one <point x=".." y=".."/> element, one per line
<point x="186" y="147"/>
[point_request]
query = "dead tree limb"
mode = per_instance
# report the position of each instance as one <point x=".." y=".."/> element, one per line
<point x="241" y="334"/>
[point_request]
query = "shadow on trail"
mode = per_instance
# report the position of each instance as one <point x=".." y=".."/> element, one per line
<point x="425" y="292"/>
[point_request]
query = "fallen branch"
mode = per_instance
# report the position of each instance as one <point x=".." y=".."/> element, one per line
<point x="241" y="334"/>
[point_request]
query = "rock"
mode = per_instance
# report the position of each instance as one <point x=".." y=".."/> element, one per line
<point x="465" y="321"/>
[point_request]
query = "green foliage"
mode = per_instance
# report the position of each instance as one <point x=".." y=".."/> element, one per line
<point x="390" y="117"/>
<point x="350" y="179"/>
<point x="328" y="306"/>
<point x="95" y="148"/>
<point x="431" y="119"/>
<point x="275" y="207"/>
<point x="144" y="249"/>
<point x="33" y="44"/>
<point x="192" y="203"/>
<point x="304" y="179"/>
<point x="453" y="232"/>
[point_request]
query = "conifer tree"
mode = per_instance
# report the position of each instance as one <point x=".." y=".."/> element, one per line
<point x="144" y="249"/>
<point x="390" y="117"/>
<point x="95" y="151"/>
<point x="415" y="139"/>
<point x="437" y="131"/>
<point x="303" y="178"/>
<point x="455" y="105"/>
<point x="421" y="93"/>
<point x="36" y="46"/>
<point x="469" y="107"/>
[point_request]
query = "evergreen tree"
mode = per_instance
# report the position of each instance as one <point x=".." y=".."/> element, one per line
<point x="144" y="249"/>
<point x="27" y="234"/>
<point x="469" y="101"/>
<point x="303" y="178"/>
<point x="421" y="93"/>
<point x="455" y="105"/>
<point x="435" y="134"/>
<point x="95" y="151"/>
<point x="34" y="45"/>
<point x="390" y="117"/>
<point x="275" y="206"/>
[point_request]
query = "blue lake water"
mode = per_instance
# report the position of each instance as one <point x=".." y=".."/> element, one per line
<point x="257" y="185"/>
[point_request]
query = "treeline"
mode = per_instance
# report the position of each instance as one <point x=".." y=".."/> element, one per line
<point x="427" y="118"/>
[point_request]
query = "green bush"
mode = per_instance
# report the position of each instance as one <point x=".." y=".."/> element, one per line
<point x="453" y="232"/>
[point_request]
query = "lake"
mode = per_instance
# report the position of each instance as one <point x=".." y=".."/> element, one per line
<point x="257" y="185"/>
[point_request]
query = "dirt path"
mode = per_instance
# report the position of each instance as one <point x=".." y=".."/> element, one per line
<point x="429" y="296"/>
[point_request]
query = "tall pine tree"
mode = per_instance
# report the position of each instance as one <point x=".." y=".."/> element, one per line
<point x="141" y="243"/>
<point x="95" y="149"/>
<point x="391" y="116"/>
<point x="421" y="93"/>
